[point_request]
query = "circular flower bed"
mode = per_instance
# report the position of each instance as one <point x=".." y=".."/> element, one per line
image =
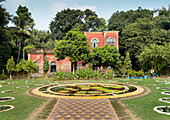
<point x="8" y="91"/>
<point x="166" y="93"/>
<point x="4" y="99"/>
<point x="162" y="109"/>
<point x="167" y="100"/>
<point x="86" y="89"/>
<point x="5" y="107"/>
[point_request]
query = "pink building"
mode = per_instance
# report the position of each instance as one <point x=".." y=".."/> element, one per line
<point x="96" y="39"/>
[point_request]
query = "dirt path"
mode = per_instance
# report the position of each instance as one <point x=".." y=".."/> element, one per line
<point x="37" y="111"/>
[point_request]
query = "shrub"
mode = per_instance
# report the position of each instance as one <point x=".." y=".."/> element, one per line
<point x="132" y="73"/>
<point x="3" y="77"/>
<point x="140" y="73"/>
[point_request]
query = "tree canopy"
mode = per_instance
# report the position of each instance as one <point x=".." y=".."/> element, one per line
<point x="66" y="20"/>
<point x="74" y="45"/>
<point x="104" y="56"/>
<point x="155" y="57"/>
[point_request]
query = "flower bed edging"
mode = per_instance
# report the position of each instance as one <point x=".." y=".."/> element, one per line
<point x="156" y="109"/>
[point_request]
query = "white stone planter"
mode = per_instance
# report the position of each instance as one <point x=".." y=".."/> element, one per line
<point x="8" y="91"/>
<point x="156" y="109"/>
<point x="11" y="107"/>
<point x="12" y="98"/>
<point x="164" y="100"/>
<point x="23" y="87"/>
<point x="164" y="93"/>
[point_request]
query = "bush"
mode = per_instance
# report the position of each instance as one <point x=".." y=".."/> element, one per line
<point x="132" y="73"/>
<point x="140" y="73"/>
<point x="3" y="77"/>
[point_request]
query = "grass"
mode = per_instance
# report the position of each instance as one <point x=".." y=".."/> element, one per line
<point x="24" y="104"/>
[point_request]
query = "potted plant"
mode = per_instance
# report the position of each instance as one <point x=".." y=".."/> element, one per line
<point x="132" y="74"/>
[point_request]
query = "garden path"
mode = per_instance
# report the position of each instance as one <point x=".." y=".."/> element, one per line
<point x="83" y="109"/>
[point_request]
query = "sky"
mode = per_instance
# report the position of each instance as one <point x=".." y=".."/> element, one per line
<point x="43" y="11"/>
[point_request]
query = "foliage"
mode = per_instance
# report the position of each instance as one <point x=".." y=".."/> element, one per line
<point x="46" y="65"/>
<point x="41" y="39"/>
<point x="74" y="45"/>
<point x="140" y="73"/>
<point x="127" y="62"/>
<point x="155" y="57"/>
<point x="29" y="67"/>
<point x="65" y="21"/>
<point x="3" y="77"/>
<point x="24" y="23"/>
<point x="19" y="66"/>
<point x="104" y="56"/>
<point x="5" y="44"/>
<point x="132" y="73"/>
<point x="84" y="74"/>
<point x="10" y="66"/>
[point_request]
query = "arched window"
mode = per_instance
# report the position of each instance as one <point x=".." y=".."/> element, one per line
<point x="38" y="66"/>
<point x="53" y="67"/>
<point x="111" y="41"/>
<point x="94" y="43"/>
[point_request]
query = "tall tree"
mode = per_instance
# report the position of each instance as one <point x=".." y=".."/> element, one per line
<point x="5" y="44"/>
<point x="127" y="62"/>
<point x="155" y="57"/>
<point x="74" y="45"/>
<point x="65" y="21"/>
<point x="10" y="66"/>
<point x="104" y="56"/>
<point x="24" y="23"/>
<point x="46" y="66"/>
<point x="120" y="19"/>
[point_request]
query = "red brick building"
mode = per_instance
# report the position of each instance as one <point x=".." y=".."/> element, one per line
<point x="96" y="39"/>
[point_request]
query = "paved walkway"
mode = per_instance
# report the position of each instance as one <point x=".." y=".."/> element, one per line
<point x="83" y="109"/>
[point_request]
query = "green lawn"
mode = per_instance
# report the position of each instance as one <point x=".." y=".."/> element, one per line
<point x="25" y="104"/>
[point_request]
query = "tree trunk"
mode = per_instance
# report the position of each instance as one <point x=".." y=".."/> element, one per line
<point x="19" y="47"/>
<point x="28" y="76"/>
<point x="10" y="76"/>
<point x="23" y="54"/>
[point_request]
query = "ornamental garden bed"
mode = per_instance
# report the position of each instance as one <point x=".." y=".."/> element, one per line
<point x="4" y="99"/>
<point x="162" y="109"/>
<point x="165" y="92"/>
<point x="23" y="87"/>
<point x="8" y="91"/>
<point x="167" y="100"/>
<point x="85" y="89"/>
<point x="163" y="88"/>
<point x="5" y="107"/>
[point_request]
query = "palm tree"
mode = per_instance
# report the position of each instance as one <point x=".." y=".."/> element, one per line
<point x="24" y="23"/>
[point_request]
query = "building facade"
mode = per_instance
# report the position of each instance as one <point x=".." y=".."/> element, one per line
<point x="95" y="39"/>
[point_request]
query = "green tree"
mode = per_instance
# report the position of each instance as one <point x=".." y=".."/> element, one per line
<point x="30" y="67"/>
<point x="46" y="66"/>
<point x="74" y="45"/>
<point x="19" y="66"/>
<point x="104" y="56"/>
<point x="155" y="57"/>
<point x="41" y="39"/>
<point x="24" y="23"/>
<point x="28" y="48"/>
<point x="127" y="62"/>
<point x="65" y="21"/>
<point x="10" y="66"/>
<point x="5" y="45"/>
